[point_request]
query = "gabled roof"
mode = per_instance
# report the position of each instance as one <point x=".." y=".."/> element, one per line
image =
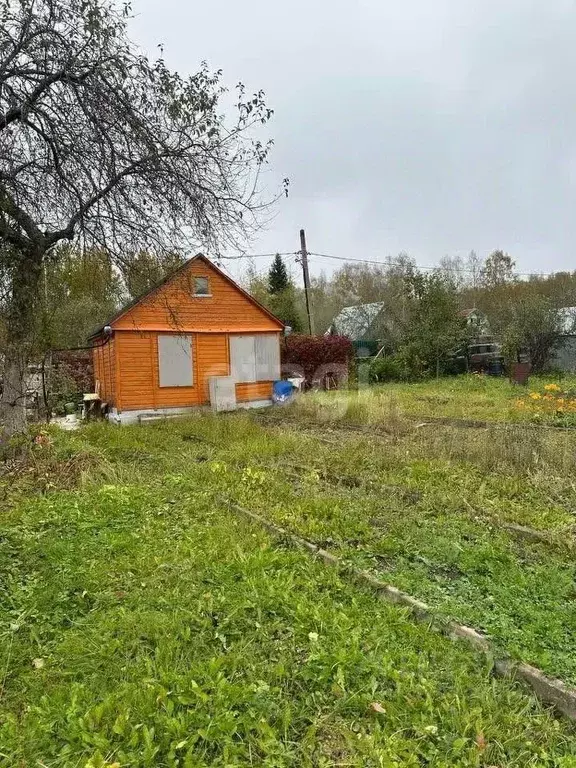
<point x="199" y="257"/>
<point x="356" y="321"/>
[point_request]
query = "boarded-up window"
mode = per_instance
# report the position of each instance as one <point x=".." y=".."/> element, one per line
<point x="267" y="357"/>
<point x="175" y="360"/>
<point x="242" y="358"/>
<point x="254" y="358"/>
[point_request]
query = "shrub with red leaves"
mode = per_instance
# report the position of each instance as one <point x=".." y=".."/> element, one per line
<point x="321" y="360"/>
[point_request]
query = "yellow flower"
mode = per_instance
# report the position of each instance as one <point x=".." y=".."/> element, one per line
<point x="552" y="388"/>
<point x="535" y="395"/>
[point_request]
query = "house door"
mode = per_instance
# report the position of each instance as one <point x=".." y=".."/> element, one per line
<point x="212" y="360"/>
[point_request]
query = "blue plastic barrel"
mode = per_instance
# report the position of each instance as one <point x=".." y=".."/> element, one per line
<point x="282" y="391"/>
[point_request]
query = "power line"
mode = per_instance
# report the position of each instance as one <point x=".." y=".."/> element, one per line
<point x="259" y="255"/>
<point x="390" y="261"/>
<point x="260" y="271"/>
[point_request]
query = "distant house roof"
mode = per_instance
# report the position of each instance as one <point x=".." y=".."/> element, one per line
<point x="356" y="322"/>
<point x="473" y="314"/>
<point x="568" y="318"/>
<point x="476" y="318"/>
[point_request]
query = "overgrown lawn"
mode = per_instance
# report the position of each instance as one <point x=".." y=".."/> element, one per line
<point x="145" y="624"/>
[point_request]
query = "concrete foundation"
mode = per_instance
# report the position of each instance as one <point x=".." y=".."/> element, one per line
<point x="151" y="414"/>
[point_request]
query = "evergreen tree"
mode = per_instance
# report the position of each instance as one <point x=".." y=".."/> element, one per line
<point x="278" y="279"/>
<point x="283" y="305"/>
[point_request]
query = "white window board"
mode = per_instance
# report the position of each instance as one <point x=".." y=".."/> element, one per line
<point x="254" y="358"/>
<point x="175" y="360"/>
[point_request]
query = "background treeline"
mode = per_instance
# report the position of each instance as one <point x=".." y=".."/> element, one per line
<point x="420" y="327"/>
<point x="81" y="289"/>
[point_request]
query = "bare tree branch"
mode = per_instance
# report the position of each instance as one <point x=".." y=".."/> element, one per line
<point x="101" y="145"/>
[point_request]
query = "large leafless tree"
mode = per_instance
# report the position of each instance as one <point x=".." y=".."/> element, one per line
<point x="102" y="145"/>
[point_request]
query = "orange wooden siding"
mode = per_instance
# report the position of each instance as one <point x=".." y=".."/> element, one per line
<point x="212" y="360"/>
<point x="259" y="390"/>
<point x="104" y="359"/>
<point x="129" y="376"/>
<point x="173" y="307"/>
<point x="138" y="376"/>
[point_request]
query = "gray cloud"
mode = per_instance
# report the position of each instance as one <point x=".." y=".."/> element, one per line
<point x="431" y="127"/>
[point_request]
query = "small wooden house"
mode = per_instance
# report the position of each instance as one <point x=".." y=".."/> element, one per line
<point x="159" y="353"/>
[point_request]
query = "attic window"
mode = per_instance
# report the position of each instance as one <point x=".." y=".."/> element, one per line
<point x="201" y="286"/>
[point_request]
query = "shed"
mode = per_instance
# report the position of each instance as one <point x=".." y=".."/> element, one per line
<point x="157" y="355"/>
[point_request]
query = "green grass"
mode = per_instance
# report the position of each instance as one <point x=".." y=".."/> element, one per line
<point x="432" y="527"/>
<point x="142" y="623"/>
<point x="483" y="398"/>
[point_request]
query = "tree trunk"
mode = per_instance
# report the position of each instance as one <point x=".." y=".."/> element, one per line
<point x="20" y="332"/>
<point x="13" y="403"/>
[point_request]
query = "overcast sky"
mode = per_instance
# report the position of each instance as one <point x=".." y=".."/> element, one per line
<point x="426" y="126"/>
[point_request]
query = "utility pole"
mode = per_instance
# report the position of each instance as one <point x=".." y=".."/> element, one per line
<point x="304" y="259"/>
